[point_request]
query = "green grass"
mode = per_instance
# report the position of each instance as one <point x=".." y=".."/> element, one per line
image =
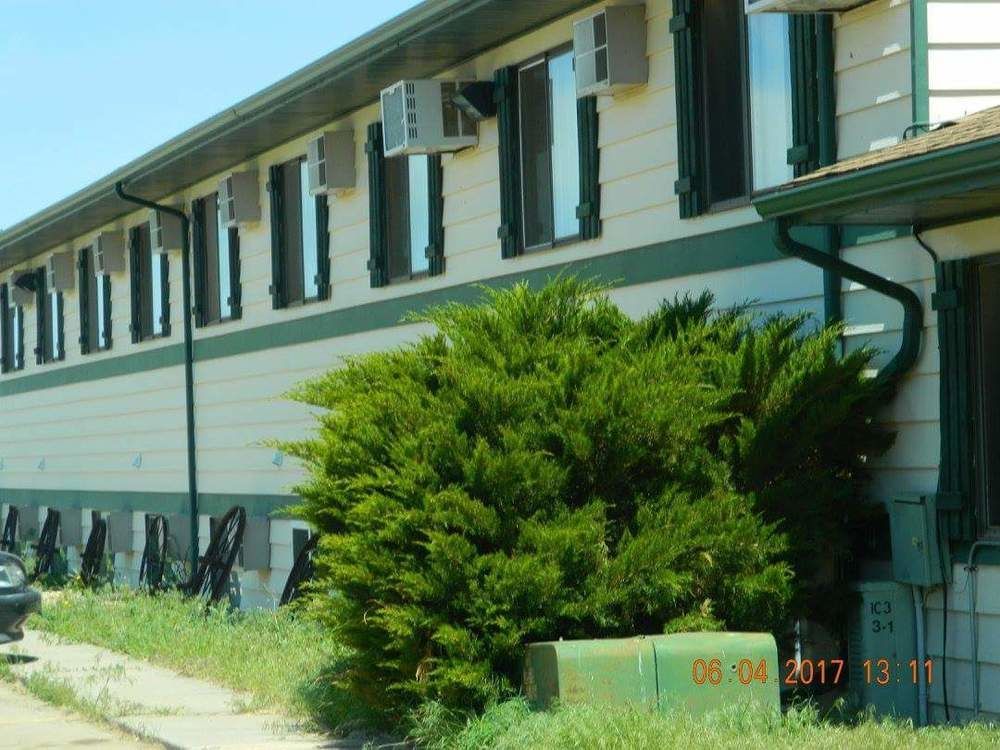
<point x="280" y="660"/>
<point x="512" y="726"/>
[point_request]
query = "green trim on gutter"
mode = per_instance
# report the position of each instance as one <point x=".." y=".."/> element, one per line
<point x="969" y="166"/>
<point x="919" y="76"/>
<point x="209" y="504"/>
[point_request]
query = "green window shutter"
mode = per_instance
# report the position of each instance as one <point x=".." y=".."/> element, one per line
<point x="106" y="291"/>
<point x="135" y="281"/>
<point x="41" y="338"/>
<point x="435" y="196"/>
<point x="378" y="260"/>
<point x="235" y="284"/>
<point x="589" y="210"/>
<point x="505" y="93"/>
<point x="322" y="247"/>
<point x="275" y="185"/>
<point x="198" y="259"/>
<point x="60" y="326"/>
<point x="83" y="275"/>
<point x="955" y="478"/>
<point x="6" y="345"/>
<point x="803" y="32"/>
<point x="687" y="89"/>
<point x="165" y="293"/>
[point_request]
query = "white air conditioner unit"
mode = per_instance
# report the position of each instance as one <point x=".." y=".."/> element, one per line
<point x="801" y="6"/>
<point x="420" y="117"/>
<point x="609" y="51"/>
<point x="239" y="198"/>
<point x="331" y="161"/>
<point x="166" y="232"/>
<point x="59" y="271"/>
<point x="22" y="288"/>
<point x="109" y="253"/>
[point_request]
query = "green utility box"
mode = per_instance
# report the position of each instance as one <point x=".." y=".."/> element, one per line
<point x="881" y="644"/>
<point x="696" y="671"/>
<point x="916" y="552"/>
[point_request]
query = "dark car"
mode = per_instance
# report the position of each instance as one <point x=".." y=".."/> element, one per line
<point x="17" y="600"/>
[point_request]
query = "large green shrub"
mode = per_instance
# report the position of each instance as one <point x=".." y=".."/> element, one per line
<point x="543" y="467"/>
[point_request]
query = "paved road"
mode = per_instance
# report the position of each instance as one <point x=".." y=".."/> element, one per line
<point x="26" y="724"/>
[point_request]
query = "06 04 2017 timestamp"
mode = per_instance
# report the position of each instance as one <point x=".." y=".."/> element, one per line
<point x="884" y="672"/>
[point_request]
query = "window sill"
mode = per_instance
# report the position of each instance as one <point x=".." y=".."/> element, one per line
<point x="556" y="244"/>
<point x="728" y="205"/>
<point x="410" y="277"/>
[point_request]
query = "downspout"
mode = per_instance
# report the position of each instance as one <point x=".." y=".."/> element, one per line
<point x="970" y="571"/>
<point x="188" y="357"/>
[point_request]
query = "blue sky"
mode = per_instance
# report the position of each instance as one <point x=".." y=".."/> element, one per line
<point x="88" y="85"/>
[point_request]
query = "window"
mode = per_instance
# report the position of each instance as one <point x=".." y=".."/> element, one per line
<point x="11" y="332"/>
<point x="49" y="342"/>
<point x="549" y="144"/>
<point x="150" y="293"/>
<point x="95" y="304"/>
<point x="408" y="211"/>
<point x="300" y="238"/>
<point x="216" y="264"/>
<point x="735" y="109"/>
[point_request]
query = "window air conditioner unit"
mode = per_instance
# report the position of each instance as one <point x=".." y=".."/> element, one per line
<point x="331" y="161"/>
<point x="165" y="231"/>
<point x="59" y="271"/>
<point x="22" y="288"/>
<point x="609" y="51"/>
<point x="421" y="117"/>
<point x="801" y="6"/>
<point x="239" y="198"/>
<point x="109" y="253"/>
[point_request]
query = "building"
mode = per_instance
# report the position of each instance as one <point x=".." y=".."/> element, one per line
<point x="819" y="123"/>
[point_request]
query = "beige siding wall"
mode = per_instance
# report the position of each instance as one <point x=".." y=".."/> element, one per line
<point x="872" y="63"/>
<point x="963" y="57"/>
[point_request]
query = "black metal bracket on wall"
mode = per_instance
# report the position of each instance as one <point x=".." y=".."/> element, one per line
<point x="188" y="354"/>
<point x="913" y="310"/>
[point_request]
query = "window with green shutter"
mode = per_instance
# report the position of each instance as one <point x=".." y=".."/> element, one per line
<point x="149" y="274"/>
<point x="6" y="331"/>
<point x="549" y="157"/>
<point x="50" y="345"/>
<point x="300" y="239"/>
<point x="216" y="264"/>
<point x="733" y="86"/>
<point x="94" y="297"/>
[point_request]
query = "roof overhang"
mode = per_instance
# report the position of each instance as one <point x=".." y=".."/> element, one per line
<point x="426" y="40"/>
<point x="947" y="186"/>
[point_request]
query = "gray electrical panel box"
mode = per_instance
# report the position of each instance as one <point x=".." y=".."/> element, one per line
<point x="59" y="271"/>
<point x="71" y="527"/>
<point x="27" y="523"/>
<point x="331" y="161"/>
<point x="609" y="51"/>
<point x="165" y="231"/>
<point x="239" y="198"/>
<point x="917" y="554"/>
<point x="120" y="532"/>
<point x="881" y="645"/>
<point x="256" y="553"/>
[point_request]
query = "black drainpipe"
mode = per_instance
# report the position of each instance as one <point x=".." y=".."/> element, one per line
<point x="913" y="311"/>
<point x="188" y="357"/>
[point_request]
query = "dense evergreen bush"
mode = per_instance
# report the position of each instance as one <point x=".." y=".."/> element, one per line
<point x="542" y="467"/>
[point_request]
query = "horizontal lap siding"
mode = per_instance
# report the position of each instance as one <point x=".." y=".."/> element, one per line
<point x="872" y="63"/>
<point x="963" y="57"/>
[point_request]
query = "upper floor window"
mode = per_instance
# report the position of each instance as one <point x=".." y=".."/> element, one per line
<point x="11" y="332"/>
<point x="216" y="264"/>
<point x="49" y="341"/>
<point x="95" y="304"/>
<point x="408" y="215"/>
<point x="150" y="293"/>
<point x="299" y="236"/>
<point x="734" y="105"/>
<point x="549" y="144"/>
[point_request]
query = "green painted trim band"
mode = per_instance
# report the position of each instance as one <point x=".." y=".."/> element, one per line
<point x="210" y="504"/>
<point x="920" y="77"/>
<point x="688" y="256"/>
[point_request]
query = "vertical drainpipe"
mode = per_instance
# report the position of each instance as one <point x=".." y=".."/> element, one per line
<point x="830" y="241"/>
<point x="188" y="357"/>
